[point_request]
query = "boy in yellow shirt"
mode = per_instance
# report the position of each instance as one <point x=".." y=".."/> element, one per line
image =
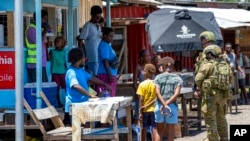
<point x="147" y="93"/>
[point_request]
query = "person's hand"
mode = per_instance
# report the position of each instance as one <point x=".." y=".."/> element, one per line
<point x="108" y="88"/>
<point x="141" y="109"/>
<point x="197" y="94"/>
<point x="47" y="27"/>
<point x="243" y="74"/>
<point x="140" y="117"/>
<point x="93" y="96"/>
<point x="163" y="107"/>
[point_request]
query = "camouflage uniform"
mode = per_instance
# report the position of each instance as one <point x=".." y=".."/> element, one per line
<point x="214" y="101"/>
<point x="209" y="36"/>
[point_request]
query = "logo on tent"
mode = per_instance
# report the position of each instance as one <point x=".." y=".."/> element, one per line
<point x="185" y="33"/>
<point x="159" y="49"/>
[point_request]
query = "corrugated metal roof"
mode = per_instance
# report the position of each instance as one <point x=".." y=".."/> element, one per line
<point x="226" y="18"/>
<point x="152" y="2"/>
<point x="142" y="2"/>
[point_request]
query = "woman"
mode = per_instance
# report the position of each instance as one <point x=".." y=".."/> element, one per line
<point x="108" y="63"/>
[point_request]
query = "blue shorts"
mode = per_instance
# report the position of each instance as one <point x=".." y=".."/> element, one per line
<point x="93" y="66"/>
<point x="160" y="118"/>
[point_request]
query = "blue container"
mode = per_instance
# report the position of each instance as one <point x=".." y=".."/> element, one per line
<point x="49" y="89"/>
<point x="106" y="93"/>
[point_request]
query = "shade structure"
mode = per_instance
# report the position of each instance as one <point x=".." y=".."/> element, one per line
<point x="172" y="30"/>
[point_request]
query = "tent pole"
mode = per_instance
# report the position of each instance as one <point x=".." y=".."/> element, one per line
<point x="19" y="72"/>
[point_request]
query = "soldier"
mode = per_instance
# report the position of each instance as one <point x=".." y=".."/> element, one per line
<point x="207" y="38"/>
<point x="213" y="78"/>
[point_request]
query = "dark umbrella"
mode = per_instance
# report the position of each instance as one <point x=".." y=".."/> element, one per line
<point x="172" y="30"/>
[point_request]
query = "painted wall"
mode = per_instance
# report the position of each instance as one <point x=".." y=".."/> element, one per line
<point x="8" y="5"/>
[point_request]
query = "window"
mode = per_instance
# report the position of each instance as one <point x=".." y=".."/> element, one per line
<point x="3" y="30"/>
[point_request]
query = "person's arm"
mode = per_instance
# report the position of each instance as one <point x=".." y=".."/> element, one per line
<point x="175" y="96"/>
<point x="240" y="69"/>
<point x="149" y="104"/>
<point x="50" y="55"/>
<point x="159" y="96"/>
<point x="140" y="107"/>
<point x="74" y="83"/>
<point x="203" y="73"/>
<point x="135" y="77"/>
<point x="99" y="82"/>
<point x="244" y="60"/>
<point x="31" y="35"/>
<point x="80" y="89"/>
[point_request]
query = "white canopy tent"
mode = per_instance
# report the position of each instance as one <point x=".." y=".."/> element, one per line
<point x="226" y="18"/>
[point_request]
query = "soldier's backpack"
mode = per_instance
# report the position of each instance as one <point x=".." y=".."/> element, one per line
<point x="222" y="74"/>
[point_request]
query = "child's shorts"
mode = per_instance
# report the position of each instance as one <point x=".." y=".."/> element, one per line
<point x="161" y="118"/>
<point x="148" y="119"/>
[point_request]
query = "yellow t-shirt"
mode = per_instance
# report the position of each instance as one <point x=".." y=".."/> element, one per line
<point x="146" y="90"/>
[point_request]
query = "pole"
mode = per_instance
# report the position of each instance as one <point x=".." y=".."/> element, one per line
<point x="38" y="54"/>
<point x="108" y="7"/>
<point x="19" y="73"/>
<point x="70" y="25"/>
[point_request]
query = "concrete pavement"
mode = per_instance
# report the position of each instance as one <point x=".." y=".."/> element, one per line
<point x="242" y="117"/>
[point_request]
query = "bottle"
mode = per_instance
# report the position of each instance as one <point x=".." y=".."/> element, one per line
<point x="106" y="93"/>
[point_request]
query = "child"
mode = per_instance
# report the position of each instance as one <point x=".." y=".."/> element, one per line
<point x="77" y="89"/>
<point x="168" y="87"/>
<point x="147" y="96"/>
<point x="138" y="75"/>
<point x="57" y="58"/>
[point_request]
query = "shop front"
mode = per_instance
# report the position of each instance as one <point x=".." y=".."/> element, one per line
<point x="58" y="20"/>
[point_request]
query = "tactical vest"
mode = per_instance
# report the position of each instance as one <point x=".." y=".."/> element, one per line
<point x="31" y="48"/>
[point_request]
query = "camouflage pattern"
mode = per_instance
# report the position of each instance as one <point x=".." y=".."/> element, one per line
<point x="208" y="35"/>
<point x="213" y="49"/>
<point x="214" y="103"/>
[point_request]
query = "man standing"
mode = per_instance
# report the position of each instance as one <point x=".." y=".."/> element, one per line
<point x="30" y="40"/>
<point x="207" y="38"/>
<point x="231" y="56"/>
<point x="242" y="64"/>
<point x="91" y="34"/>
<point x="213" y="79"/>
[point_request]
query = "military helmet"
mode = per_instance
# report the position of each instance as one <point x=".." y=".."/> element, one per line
<point x="214" y="49"/>
<point x="208" y="35"/>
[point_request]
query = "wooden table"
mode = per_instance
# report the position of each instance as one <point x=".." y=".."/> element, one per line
<point x="125" y="89"/>
<point x="104" y="110"/>
<point x="187" y="94"/>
